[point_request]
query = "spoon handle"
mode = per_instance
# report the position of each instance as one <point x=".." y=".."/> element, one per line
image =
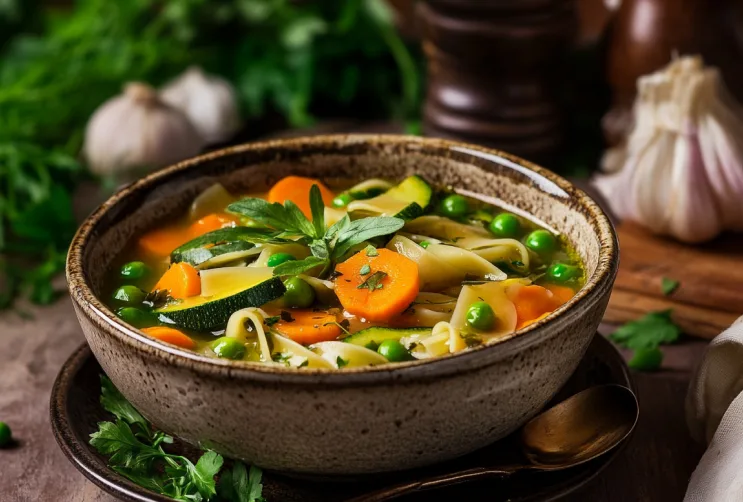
<point x="434" y="482"/>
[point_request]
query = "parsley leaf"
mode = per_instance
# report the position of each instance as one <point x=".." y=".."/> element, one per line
<point x="296" y="267"/>
<point x="646" y="359"/>
<point x="270" y="321"/>
<point x="668" y="286"/>
<point x="317" y="207"/>
<point x="340" y="362"/>
<point x="365" y="269"/>
<point x="337" y="227"/>
<point x="362" y="230"/>
<point x="204" y="471"/>
<point x="287" y="218"/>
<point x="373" y="282"/>
<point x="371" y="251"/>
<point x="141" y="458"/>
<point x="115" y="403"/>
<point x="648" y="332"/>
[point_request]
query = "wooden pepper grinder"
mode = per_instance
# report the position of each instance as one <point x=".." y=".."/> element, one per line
<point x="645" y="34"/>
<point x="493" y="72"/>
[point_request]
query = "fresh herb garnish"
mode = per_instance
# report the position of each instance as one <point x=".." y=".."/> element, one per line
<point x="343" y="325"/>
<point x="136" y="452"/>
<point x="286" y="316"/>
<point x="668" y="286"/>
<point x="371" y="251"/>
<point x="470" y="339"/>
<point x="646" y="334"/>
<point x="646" y="359"/>
<point x="341" y="362"/>
<point x="373" y="282"/>
<point x="327" y="246"/>
<point x="365" y="269"/>
<point x="270" y="321"/>
<point x="157" y="298"/>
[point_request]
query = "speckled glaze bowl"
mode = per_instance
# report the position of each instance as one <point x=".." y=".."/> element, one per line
<point x="355" y="421"/>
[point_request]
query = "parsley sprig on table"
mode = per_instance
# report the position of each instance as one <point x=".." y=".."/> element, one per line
<point x="644" y="336"/>
<point x="328" y="246"/>
<point x="135" y="451"/>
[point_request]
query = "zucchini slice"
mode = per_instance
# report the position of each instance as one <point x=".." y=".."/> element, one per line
<point x="407" y="200"/>
<point x="224" y="236"/>
<point x="203" y="313"/>
<point x="372" y="337"/>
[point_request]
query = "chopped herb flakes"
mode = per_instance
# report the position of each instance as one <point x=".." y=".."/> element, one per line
<point x="366" y="269"/>
<point x="341" y="362"/>
<point x="286" y="316"/>
<point x="270" y="321"/>
<point x="374" y="281"/>
<point x="371" y="251"/>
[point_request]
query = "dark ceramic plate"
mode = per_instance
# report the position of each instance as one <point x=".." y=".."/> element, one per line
<point x="75" y="411"/>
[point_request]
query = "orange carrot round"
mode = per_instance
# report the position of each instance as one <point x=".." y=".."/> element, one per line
<point x="170" y="335"/>
<point x="562" y="294"/>
<point x="534" y="301"/>
<point x="377" y="287"/>
<point x="211" y="222"/>
<point x="181" y="280"/>
<point x="308" y="327"/>
<point x="524" y="324"/>
<point x="297" y="190"/>
<point x="163" y="241"/>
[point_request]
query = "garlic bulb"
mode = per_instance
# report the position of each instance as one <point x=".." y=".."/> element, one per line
<point x="136" y="130"/>
<point x="209" y="102"/>
<point x="682" y="165"/>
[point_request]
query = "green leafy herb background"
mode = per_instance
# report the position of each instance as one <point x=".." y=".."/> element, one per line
<point x="289" y="60"/>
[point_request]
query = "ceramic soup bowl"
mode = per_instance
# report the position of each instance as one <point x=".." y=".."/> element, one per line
<point x="355" y="421"/>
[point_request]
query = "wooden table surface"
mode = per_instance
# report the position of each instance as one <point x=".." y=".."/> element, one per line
<point x="655" y="466"/>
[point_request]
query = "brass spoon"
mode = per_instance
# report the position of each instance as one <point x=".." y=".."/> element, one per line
<point x="581" y="428"/>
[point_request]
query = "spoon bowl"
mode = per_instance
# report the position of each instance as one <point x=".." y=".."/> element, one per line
<point x="582" y="427"/>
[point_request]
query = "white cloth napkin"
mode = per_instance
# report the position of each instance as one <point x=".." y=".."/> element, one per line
<point x="714" y="413"/>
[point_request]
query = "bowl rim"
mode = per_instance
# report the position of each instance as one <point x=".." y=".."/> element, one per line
<point x="85" y="300"/>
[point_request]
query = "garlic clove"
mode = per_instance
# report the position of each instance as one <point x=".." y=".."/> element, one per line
<point x="210" y="103"/>
<point x="138" y="130"/>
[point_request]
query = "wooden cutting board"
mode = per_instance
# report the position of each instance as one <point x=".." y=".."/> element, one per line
<point x="710" y="295"/>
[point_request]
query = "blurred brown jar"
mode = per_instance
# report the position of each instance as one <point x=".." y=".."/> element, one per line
<point x="492" y="69"/>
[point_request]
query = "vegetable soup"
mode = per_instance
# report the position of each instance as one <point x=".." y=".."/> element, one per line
<point x="305" y="276"/>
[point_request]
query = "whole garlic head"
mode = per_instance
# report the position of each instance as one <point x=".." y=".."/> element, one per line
<point x="136" y="130"/>
<point x="210" y="102"/>
<point x="681" y="170"/>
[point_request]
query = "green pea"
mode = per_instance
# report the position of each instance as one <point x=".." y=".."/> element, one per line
<point x="130" y="295"/>
<point x="394" y="351"/>
<point x="454" y="206"/>
<point x="342" y="200"/>
<point x="480" y="316"/>
<point x="505" y="226"/>
<point x="134" y="270"/>
<point x="298" y="293"/>
<point x="137" y="317"/>
<point x="5" y="434"/>
<point x="277" y="259"/>
<point x="424" y="244"/>
<point x="541" y="241"/>
<point x="561" y="272"/>
<point x="228" y="348"/>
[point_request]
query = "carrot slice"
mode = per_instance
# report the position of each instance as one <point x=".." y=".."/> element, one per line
<point x="211" y="222"/>
<point x="297" y="190"/>
<point x="163" y="241"/>
<point x="181" y="280"/>
<point x="309" y="327"/>
<point x="392" y="294"/>
<point x="524" y="324"/>
<point x="170" y="335"/>
<point x="534" y="301"/>
<point x="562" y="294"/>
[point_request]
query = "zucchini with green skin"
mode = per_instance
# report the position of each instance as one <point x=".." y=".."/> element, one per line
<point x="201" y="255"/>
<point x="407" y="200"/>
<point x="202" y="313"/>
<point x="372" y="337"/>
